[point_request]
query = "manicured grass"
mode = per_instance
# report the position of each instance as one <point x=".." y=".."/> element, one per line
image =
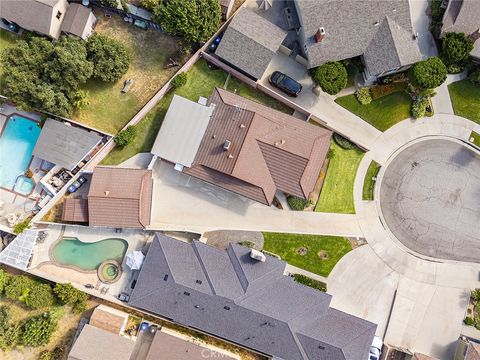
<point x="369" y="183"/>
<point x="381" y="113"/>
<point x="475" y="138"/>
<point x="252" y="94"/>
<point x="287" y="245"/>
<point x="201" y="82"/>
<point x="465" y="98"/>
<point x="7" y="39"/>
<point x="337" y="190"/>
<point x="109" y="109"/>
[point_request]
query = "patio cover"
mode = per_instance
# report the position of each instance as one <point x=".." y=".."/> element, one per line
<point x="64" y="145"/>
<point x="18" y="253"/>
<point x="182" y="131"/>
<point x="134" y="260"/>
<point x="75" y="210"/>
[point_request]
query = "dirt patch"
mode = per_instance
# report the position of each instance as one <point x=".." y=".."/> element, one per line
<point x="302" y="251"/>
<point x="221" y="238"/>
<point x="323" y="255"/>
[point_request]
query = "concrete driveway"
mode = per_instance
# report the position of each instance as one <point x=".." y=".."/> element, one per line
<point x="184" y="203"/>
<point x="322" y="106"/>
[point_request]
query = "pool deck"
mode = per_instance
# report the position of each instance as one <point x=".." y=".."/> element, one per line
<point x="42" y="261"/>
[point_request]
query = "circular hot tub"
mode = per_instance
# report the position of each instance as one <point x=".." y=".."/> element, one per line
<point x="109" y="271"/>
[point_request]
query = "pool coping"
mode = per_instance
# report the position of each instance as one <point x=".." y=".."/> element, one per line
<point x="8" y="117"/>
<point x="73" y="267"/>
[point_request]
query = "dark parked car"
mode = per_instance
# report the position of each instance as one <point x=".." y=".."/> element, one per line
<point x="285" y="83"/>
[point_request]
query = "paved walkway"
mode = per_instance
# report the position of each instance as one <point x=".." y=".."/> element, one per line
<point x="442" y="103"/>
<point x="290" y="269"/>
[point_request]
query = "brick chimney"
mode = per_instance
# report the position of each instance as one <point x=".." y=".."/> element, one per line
<point x="319" y="35"/>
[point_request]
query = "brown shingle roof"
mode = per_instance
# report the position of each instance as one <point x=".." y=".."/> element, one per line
<point x="269" y="150"/>
<point x="120" y="197"/>
<point x="75" y="210"/>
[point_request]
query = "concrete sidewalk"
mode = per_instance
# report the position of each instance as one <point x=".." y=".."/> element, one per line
<point x="442" y="104"/>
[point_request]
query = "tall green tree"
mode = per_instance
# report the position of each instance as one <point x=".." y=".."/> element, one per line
<point x="18" y="288"/>
<point x="331" y="76"/>
<point x="110" y="57"/>
<point x="193" y="20"/>
<point x="39" y="74"/>
<point x="40" y="296"/>
<point x="456" y="47"/>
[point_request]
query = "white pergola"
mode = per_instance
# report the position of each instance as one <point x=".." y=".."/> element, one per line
<point x="18" y="253"/>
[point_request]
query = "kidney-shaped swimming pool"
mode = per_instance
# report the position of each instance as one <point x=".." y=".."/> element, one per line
<point x="88" y="256"/>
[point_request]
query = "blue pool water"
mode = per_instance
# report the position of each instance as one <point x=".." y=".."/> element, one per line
<point x="17" y="142"/>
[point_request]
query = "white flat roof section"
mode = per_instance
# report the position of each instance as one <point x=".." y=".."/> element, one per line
<point x="182" y="131"/>
<point x="19" y="251"/>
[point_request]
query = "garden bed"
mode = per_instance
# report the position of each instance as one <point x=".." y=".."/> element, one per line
<point x="305" y="280"/>
<point x="370" y="180"/>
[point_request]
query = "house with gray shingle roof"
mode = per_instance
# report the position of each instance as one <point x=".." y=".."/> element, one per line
<point x="251" y="303"/>
<point x="463" y="16"/>
<point x="379" y="31"/>
<point x="249" y="43"/>
<point x="49" y="17"/>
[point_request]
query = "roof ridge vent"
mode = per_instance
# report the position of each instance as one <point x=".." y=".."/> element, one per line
<point x="106" y="192"/>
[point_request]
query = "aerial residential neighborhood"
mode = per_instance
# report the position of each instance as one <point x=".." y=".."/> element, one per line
<point x="239" y="179"/>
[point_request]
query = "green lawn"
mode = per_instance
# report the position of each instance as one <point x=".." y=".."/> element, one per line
<point x="465" y="98"/>
<point x="287" y="245"/>
<point x="475" y="138"/>
<point x="369" y="183"/>
<point x="381" y="113"/>
<point x="201" y="82"/>
<point x="337" y="190"/>
<point x="109" y="109"/>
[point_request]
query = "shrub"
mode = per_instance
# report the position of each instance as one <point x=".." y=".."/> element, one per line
<point x="248" y="244"/>
<point x="474" y="77"/>
<point x="305" y="280"/>
<point x="21" y="226"/>
<point x="469" y="321"/>
<point x="109" y="3"/>
<point x="18" y="288"/>
<point x="4" y="278"/>
<point x="419" y="108"/>
<point x="475" y="295"/>
<point x="194" y="20"/>
<point x="429" y="74"/>
<point x="296" y="203"/>
<point x="109" y="57"/>
<point x="126" y="136"/>
<point x="11" y="338"/>
<point x="38" y="330"/>
<point x="40" y="296"/>
<point x="456" y="47"/>
<point x="56" y="354"/>
<point x="364" y="95"/>
<point x="179" y="80"/>
<point x="343" y="142"/>
<point x="149" y="4"/>
<point x="455" y="68"/>
<point x="80" y="99"/>
<point x="331" y="76"/>
<point x="4" y="319"/>
<point x="68" y="294"/>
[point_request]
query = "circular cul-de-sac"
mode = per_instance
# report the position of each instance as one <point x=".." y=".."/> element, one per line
<point x="430" y="199"/>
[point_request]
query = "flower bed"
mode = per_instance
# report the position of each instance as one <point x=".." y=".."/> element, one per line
<point x="379" y="91"/>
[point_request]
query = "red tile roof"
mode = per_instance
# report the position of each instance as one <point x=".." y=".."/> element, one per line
<point x="75" y="210"/>
<point x="269" y="150"/>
